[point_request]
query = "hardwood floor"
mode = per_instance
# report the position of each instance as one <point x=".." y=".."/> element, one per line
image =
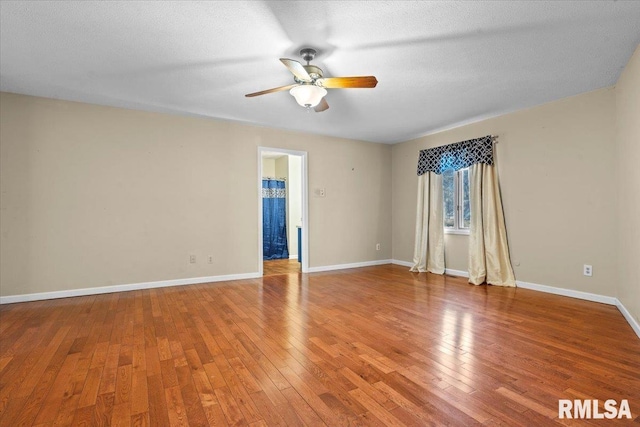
<point x="369" y="346"/>
<point x="280" y="266"/>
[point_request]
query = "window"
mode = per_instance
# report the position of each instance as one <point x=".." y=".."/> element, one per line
<point x="457" y="212"/>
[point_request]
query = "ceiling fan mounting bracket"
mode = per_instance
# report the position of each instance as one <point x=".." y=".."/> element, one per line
<point x="308" y="54"/>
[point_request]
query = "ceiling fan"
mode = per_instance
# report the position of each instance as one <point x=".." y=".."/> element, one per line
<point x="311" y="86"/>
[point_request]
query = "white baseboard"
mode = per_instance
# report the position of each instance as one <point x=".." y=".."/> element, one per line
<point x="459" y="273"/>
<point x="550" y="289"/>
<point x="568" y="293"/>
<point x="557" y="291"/>
<point x="293" y="256"/>
<point x="446" y="271"/>
<point x="630" y="319"/>
<point x="198" y="280"/>
<point x="585" y="296"/>
<point x="404" y="263"/>
<point x="123" y="288"/>
<point x="352" y="265"/>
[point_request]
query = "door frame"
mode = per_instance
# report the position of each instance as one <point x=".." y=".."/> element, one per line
<point x="305" y="205"/>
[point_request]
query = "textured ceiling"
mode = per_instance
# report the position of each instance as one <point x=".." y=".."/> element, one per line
<point x="439" y="64"/>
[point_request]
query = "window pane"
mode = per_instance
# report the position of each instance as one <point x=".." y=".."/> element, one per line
<point x="466" y="210"/>
<point x="448" y="190"/>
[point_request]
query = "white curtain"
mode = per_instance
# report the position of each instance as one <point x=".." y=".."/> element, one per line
<point x="428" y="252"/>
<point x="488" y="249"/>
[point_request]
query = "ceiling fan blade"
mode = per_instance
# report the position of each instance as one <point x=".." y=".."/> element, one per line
<point x="321" y="106"/>
<point x="297" y="69"/>
<point x="347" y="82"/>
<point x="275" y="89"/>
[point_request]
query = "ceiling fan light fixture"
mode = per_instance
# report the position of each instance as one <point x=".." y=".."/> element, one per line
<point x="311" y="86"/>
<point x="308" y="95"/>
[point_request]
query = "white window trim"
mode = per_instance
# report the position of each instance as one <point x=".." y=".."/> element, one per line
<point x="458" y="190"/>
<point x="462" y="231"/>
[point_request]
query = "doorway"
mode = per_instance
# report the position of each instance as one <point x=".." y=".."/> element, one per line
<point x="283" y="245"/>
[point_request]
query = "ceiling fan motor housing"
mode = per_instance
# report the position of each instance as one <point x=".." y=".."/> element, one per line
<point x="313" y="71"/>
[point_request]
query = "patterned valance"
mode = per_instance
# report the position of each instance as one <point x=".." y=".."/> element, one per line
<point x="456" y="156"/>
<point x="274" y="193"/>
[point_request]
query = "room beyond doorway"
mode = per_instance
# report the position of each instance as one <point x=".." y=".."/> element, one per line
<point x="282" y="210"/>
<point x="275" y="267"/>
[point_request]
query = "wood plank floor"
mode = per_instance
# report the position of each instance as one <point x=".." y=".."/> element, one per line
<point x="369" y="346"/>
<point x="280" y="266"/>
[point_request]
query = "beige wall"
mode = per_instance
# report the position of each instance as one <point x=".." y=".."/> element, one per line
<point x="268" y="168"/>
<point x="556" y="165"/>
<point x="96" y="196"/>
<point x="282" y="167"/>
<point x="628" y="184"/>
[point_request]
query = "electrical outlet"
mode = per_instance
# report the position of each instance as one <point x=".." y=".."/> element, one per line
<point x="210" y="259"/>
<point x="319" y="192"/>
<point x="192" y="259"/>
<point x="377" y="246"/>
<point x="588" y="270"/>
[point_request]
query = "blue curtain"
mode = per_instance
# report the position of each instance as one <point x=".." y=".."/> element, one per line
<point x="274" y="220"/>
